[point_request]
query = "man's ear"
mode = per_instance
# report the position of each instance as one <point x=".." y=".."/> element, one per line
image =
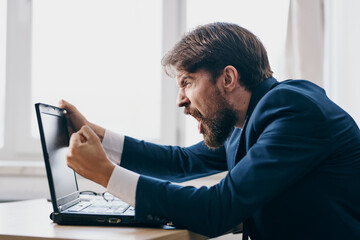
<point x="230" y="78"/>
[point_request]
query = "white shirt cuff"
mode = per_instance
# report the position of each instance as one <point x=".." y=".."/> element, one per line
<point x="122" y="184"/>
<point x="113" y="145"/>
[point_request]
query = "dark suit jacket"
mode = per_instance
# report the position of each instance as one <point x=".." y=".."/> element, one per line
<point x="294" y="171"/>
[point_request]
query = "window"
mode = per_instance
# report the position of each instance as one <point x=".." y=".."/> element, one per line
<point x="3" y="15"/>
<point x="104" y="56"/>
<point x="266" y="19"/>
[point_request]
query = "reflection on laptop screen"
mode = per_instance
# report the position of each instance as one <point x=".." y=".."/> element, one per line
<point x="57" y="142"/>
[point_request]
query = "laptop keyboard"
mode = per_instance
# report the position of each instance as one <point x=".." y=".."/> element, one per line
<point x="99" y="205"/>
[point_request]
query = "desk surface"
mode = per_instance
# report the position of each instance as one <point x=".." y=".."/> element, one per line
<point x="30" y="220"/>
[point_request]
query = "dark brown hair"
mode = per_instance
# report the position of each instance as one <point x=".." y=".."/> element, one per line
<point x="214" y="46"/>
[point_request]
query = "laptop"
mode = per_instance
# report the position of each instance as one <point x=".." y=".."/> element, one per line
<point x="70" y="207"/>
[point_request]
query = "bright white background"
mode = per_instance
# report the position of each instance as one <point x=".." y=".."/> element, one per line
<point x="104" y="56"/>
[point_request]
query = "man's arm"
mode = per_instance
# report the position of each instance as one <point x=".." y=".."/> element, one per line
<point x="176" y="164"/>
<point x="87" y="157"/>
<point x="165" y="162"/>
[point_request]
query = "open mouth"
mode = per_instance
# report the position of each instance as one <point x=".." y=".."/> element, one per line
<point x="197" y="115"/>
<point x="200" y="123"/>
<point x="200" y="127"/>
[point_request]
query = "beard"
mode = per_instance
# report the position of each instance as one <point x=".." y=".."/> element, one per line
<point x="220" y="123"/>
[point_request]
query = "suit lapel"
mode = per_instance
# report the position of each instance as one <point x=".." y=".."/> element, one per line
<point x="241" y="151"/>
<point x="256" y="95"/>
<point x="232" y="146"/>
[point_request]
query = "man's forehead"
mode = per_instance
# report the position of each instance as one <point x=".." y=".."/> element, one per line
<point x="182" y="74"/>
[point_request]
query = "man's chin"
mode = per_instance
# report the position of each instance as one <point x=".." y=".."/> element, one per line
<point x="214" y="146"/>
<point x="214" y="141"/>
<point x="210" y="143"/>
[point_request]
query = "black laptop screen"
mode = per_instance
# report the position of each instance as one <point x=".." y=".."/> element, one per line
<point x="57" y="142"/>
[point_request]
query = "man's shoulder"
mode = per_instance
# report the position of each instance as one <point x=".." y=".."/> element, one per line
<point x="294" y="93"/>
<point x="298" y="87"/>
<point x="295" y="103"/>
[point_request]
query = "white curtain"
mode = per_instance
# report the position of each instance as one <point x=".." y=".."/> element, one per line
<point x="342" y="52"/>
<point x="304" y="53"/>
<point x="323" y="46"/>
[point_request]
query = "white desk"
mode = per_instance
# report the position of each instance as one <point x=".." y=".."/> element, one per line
<point x="30" y="220"/>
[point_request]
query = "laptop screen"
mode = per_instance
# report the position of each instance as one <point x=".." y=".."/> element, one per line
<point x="56" y="141"/>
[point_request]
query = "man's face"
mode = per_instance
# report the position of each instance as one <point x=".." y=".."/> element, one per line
<point x="203" y="99"/>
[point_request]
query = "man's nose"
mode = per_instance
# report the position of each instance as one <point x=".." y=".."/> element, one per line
<point x="182" y="100"/>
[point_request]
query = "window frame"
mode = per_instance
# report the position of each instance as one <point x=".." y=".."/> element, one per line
<point x="3" y="16"/>
<point x="17" y="81"/>
<point x="18" y="142"/>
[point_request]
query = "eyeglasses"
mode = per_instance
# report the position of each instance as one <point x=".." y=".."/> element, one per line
<point x="106" y="195"/>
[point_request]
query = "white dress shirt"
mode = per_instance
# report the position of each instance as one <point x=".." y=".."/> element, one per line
<point x="122" y="182"/>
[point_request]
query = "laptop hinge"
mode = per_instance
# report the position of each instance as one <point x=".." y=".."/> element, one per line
<point x="69" y="204"/>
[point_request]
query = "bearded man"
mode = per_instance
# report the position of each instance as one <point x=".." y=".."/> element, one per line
<point x="292" y="155"/>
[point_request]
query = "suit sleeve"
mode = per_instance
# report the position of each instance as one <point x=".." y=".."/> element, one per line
<point x="172" y="163"/>
<point x="292" y="140"/>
